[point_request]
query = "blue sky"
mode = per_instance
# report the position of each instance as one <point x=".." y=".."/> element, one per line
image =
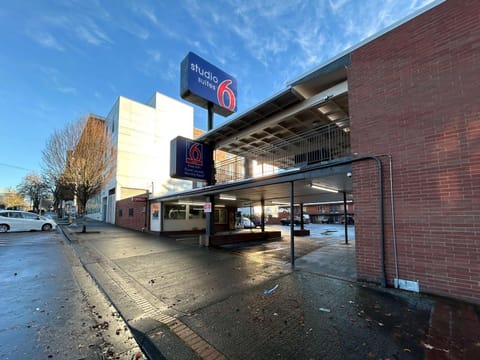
<point x="63" y="59"/>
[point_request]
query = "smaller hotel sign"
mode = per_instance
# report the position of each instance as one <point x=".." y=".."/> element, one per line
<point x="190" y="159"/>
<point x="202" y="83"/>
<point x="207" y="207"/>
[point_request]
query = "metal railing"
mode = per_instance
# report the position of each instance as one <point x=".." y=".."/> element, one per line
<point x="317" y="145"/>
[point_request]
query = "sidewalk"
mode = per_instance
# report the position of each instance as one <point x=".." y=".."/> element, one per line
<point x="182" y="301"/>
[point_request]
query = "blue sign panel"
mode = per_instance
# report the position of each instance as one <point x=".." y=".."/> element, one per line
<point x="202" y="83"/>
<point x="190" y="159"/>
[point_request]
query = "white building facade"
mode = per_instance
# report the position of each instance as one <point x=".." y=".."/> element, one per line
<point x="142" y="135"/>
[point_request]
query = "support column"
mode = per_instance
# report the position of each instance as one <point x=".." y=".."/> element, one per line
<point x="301" y="217"/>
<point x="262" y="219"/>
<point x="292" y="225"/>
<point x="247" y="168"/>
<point x="162" y="215"/>
<point x="345" y="217"/>
<point x="210" y="217"/>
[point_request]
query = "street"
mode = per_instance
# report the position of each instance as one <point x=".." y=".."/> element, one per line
<point x="50" y="307"/>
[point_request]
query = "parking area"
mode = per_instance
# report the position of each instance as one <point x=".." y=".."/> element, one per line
<point x="324" y="251"/>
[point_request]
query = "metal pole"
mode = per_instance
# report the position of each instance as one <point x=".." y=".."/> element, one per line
<point x="301" y="217"/>
<point x="210" y="115"/>
<point x="345" y="217"/>
<point x="161" y="215"/>
<point x="211" y="217"/>
<point x="211" y="198"/>
<point x="147" y="206"/>
<point x="263" y="215"/>
<point x="292" y="229"/>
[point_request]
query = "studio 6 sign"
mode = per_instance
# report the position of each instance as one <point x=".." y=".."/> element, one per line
<point x="190" y="160"/>
<point x="202" y="83"/>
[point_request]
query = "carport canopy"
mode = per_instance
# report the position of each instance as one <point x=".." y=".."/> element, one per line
<point x="330" y="181"/>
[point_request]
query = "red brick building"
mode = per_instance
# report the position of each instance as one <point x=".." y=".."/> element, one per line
<point x="413" y="94"/>
<point x="133" y="213"/>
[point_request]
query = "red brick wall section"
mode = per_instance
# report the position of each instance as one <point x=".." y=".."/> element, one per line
<point x="414" y="94"/>
<point x="135" y="222"/>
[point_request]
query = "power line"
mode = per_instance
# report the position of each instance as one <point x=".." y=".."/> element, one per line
<point x="15" y="167"/>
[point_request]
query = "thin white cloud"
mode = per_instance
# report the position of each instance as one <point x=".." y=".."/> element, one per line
<point x="145" y="11"/>
<point x="171" y="72"/>
<point x="66" y="89"/>
<point x="113" y="89"/>
<point x="154" y="55"/>
<point x="53" y="76"/>
<point x="155" y="64"/>
<point x="135" y="30"/>
<point x="88" y="31"/>
<point x="45" y="39"/>
<point x="335" y="5"/>
<point x="68" y="27"/>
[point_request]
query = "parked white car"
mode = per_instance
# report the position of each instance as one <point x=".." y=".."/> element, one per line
<point x="248" y="224"/>
<point x="13" y="220"/>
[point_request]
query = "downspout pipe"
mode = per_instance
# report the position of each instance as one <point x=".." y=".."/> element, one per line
<point x="383" y="280"/>
<point x="394" y="232"/>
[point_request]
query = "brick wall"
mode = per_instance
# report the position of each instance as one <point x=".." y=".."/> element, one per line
<point x="414" y="94"/>
<point x="130" y="214"/>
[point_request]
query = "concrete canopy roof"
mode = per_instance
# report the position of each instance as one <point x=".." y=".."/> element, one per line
<point x="275" y="189"/>
<point x="311" y="102"/>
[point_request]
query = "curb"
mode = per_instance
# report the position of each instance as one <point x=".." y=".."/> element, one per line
<point x="142" y="340"/>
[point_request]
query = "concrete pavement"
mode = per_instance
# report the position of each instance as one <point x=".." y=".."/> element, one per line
<point x="50" y="308"/>
<point x="183" y="301"/>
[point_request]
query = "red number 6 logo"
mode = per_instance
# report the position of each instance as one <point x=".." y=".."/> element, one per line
<point x="195" y="155"/>
<point x="223" y="90"/>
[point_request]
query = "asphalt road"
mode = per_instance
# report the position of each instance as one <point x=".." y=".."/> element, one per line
<point x="50" y="308"/>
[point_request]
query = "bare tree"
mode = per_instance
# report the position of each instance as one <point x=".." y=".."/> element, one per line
<point x="80" y="158"/>
<point x="54" y="163"/>
<point x="90" y="164"/>
<point x="33" y="186"/>
<point x="12" y="199"/>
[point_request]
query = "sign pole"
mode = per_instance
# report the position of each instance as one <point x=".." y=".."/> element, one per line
<point x="210" y="115"/>
<point x="211" y="198"/>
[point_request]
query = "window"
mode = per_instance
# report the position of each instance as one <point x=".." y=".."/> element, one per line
<point x="220" y="216"/>
<point x="195" y="212"/>
<point x="31" y="216"/>
<point x="130" y="212"/>
<point x="175" y="211"/>
<point x="16" y="215"/>
<point x="120" y="212"/>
